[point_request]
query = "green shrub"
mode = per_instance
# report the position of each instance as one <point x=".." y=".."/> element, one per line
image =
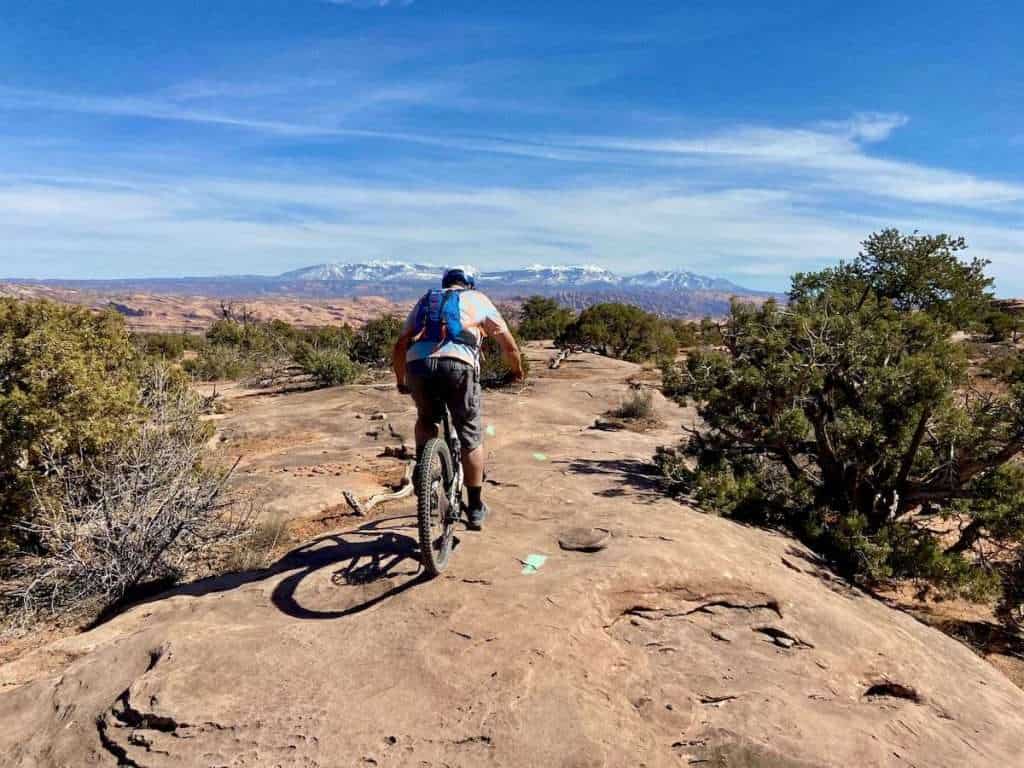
<point x="690" y="335"/>
<point x="237" y="349"/>
<point x="1011" y="605"/>
<point x="229" y="333"/>
<point x="710" y="333"/>
<point x="102" y="480"/>
<point x="1001" y="325"/>
<point x="242" y="349"/>
<point x="329" y="337"/>
<point x="849" y="417"/>
<point x="375" y="341"/>
<point x="68" y="389"/>
<point x="543" y="318"/>
<point x="687" y="333"/>
<point x="220" y="362"/>
<point x="1002" y="366"/>
<point x="674" y="383"/>
<point x="329" y="367"/>
<point x="622" y="331"/>
<point x="494" y="372"/>
<point x="163" y="346"/>
<point x="147" y="509"/>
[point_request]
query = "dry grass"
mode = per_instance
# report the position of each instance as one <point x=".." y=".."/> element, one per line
<point x="269" y="537"/>
<point x="639" y="405"/>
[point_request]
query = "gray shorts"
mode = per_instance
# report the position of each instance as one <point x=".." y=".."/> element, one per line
<point x="436" y="380"/>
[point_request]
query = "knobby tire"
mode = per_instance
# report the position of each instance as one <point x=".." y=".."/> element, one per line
<point x="434" y="477"/>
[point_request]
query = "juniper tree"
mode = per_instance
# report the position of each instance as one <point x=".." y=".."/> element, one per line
<point x="849" y="415"/>
<point x="543" y="318"/>
<point x="622" y="331"/>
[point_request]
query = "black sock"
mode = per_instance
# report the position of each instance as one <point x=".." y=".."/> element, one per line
<point x="474" y="491"/>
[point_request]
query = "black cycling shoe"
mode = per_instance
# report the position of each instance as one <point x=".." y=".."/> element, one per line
<point x="475" y="517"/>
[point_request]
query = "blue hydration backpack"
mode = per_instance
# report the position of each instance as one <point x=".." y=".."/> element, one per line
<point x="439" y="318"/>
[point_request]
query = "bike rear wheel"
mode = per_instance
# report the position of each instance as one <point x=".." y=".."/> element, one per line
<point x="436" y="521"/>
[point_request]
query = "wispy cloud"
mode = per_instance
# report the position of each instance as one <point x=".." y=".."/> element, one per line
<point x="182" y="104"/>
<point x="868" y="126"/>
<point x="289" y="224"/>
<point x="752" y="201"/>
<point x="833" y="154"/>
<point x="753" y="235"/>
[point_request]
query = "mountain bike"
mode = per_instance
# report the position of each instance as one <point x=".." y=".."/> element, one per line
<point x="439" y="481"/>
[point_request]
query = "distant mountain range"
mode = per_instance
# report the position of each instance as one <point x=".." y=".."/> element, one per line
<point x="670" y="292"/>
<point x="564" y="277"/>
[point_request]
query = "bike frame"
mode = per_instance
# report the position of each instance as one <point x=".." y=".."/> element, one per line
<point x="455" y="449"/>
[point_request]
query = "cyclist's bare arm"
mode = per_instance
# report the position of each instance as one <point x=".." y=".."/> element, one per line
<point x="509" y="349"/>
<point x="398" y="358"/>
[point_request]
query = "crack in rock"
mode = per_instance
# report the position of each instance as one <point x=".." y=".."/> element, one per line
<point x="707" y="699"/>
<point x="146" y="721"/>
<point x="889" y="689"/>
<point x="769" y="605"/>
<point x="486" y="740"/>
<point x="656" y="614"/>
<point x="111" y="746"/>
<point x="782" y="638"/>
<point x="125" y="715"/>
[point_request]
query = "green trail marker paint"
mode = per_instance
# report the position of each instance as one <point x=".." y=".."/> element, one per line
<point x="532" y="563"/>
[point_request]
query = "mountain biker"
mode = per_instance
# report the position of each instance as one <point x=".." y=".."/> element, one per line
<point x="437" y="359"/>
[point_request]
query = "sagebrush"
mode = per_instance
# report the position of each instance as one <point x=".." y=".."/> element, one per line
<point x="149" y="509"/>
<point x="69" y="390"/>
<point x="638" y="405"/>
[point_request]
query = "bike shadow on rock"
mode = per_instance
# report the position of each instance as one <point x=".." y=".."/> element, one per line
<point x="371" y="563"/>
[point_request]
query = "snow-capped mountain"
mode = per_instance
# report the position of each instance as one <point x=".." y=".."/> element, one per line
<point x="562" y="276"/>
<point x="369" y="271"/>
<point x="677" y="292"/>
<point x="679" y="280"/>
<point x="538" y="276"/>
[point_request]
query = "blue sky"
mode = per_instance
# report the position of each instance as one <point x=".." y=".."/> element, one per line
<point x="741" y="139"/>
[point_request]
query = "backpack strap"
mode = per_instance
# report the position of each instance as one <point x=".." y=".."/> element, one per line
<point x="464" y="336"/>
<point x="422" y="308"/>
<point x="444" y="323"/>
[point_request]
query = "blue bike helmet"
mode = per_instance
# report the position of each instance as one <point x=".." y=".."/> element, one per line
<point x="459" y="275"/>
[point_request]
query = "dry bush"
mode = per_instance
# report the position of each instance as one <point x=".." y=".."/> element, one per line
<point x="148" y="510"/>
<point x="258" y="550"/>
<point x="639" y="405"/>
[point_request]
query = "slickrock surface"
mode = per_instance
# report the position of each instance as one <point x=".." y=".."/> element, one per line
<point x="687" y="640"/>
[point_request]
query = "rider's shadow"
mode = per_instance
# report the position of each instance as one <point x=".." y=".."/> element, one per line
<point x="378" y="564"/>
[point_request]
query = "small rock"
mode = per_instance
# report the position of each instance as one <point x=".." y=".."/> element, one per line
<point x="725" y="637"/>
<point x="378" y="417"/>
<point x="584" y="539"/>
<point x="785" y="642"/>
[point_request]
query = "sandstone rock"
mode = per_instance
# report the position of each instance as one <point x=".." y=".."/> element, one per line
<point x="663" y="651"/>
